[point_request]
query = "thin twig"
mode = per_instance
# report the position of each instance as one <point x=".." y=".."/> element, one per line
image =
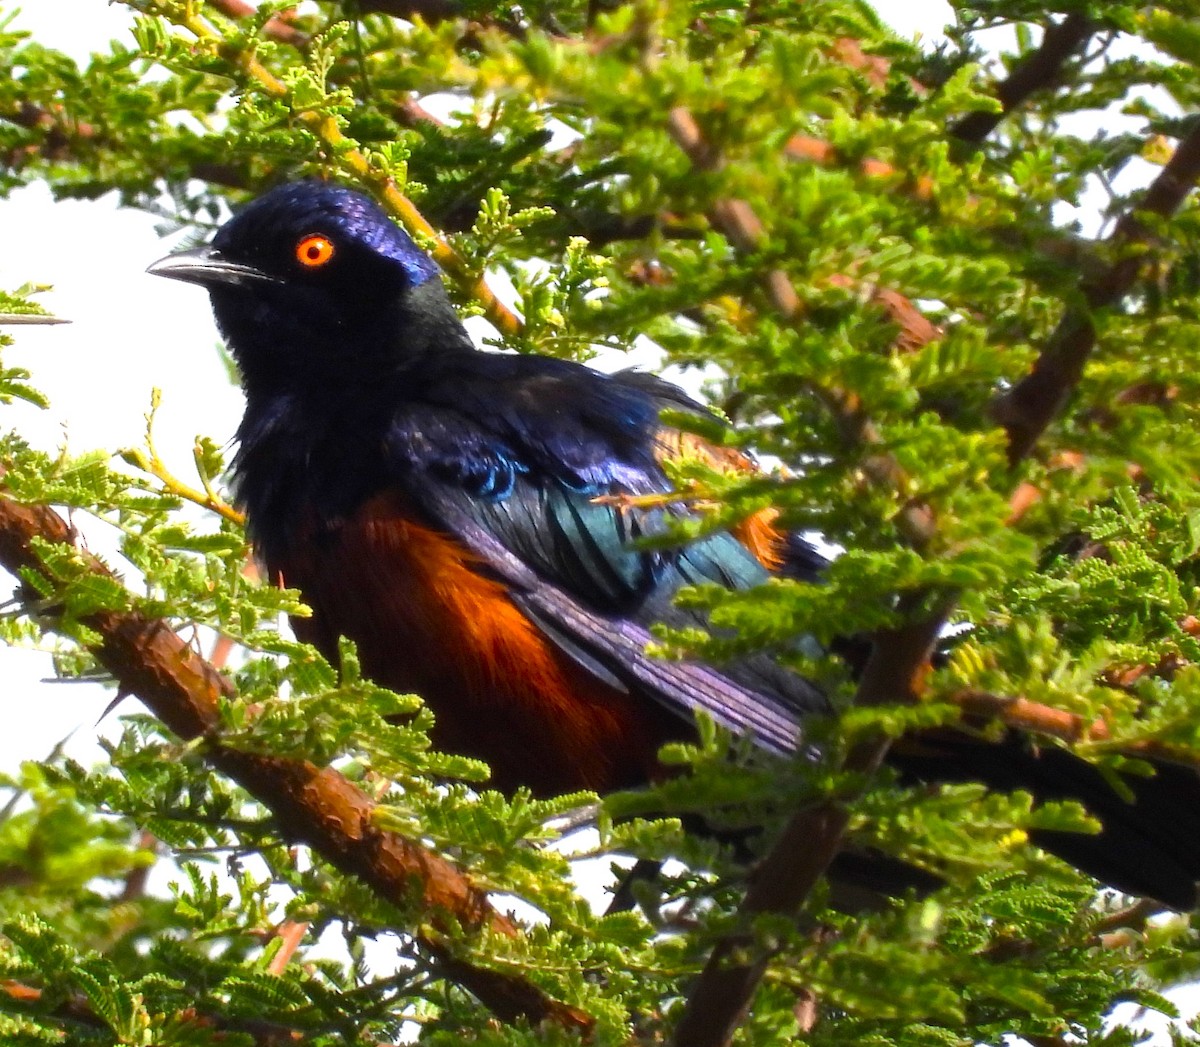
<point x="149" y="461"/>
<point x="429" y="11"/>
<point x="223" y="645"/>
<point x="1132" y="917"/>
<point x="134" y="886"/>
<point x="171" y="484"/>
<point x="290" y="933"/>
<point x="735" y="218"/>
<point x="1046" y="1040"/>
<point x="76" y="1010"/>
<point x="63" y="136"/>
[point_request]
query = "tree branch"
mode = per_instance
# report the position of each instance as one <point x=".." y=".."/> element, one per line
<point x="1028" y="407"/>
<point x="721" y="996"/>
<point x="276" y="27"/>
<point x="1132" y="918"/>
<point x="1025" y="715"/>
<point x="1038" y="71"/>
<point x="735" y="218"/>
<point x="290" y="933"/>
<point x="311" y="804"/>
<point x="718" y="1001"/>
<point x="738" y="222"/>
<point x="429" y="11"/>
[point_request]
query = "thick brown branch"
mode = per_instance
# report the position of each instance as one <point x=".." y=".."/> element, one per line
<point x="1031" y="405"/>
<point x="718" y="1001"/>
<point x="1040" y="70"/>
<point x="315" y="805"/>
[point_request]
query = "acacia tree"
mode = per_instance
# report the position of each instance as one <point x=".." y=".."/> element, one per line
<point x="992" y="412"/>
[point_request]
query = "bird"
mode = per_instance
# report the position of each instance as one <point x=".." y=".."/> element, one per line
<point x="476" y="523"/>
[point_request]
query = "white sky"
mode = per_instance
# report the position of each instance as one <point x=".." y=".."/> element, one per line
<point x="129" y="334"/>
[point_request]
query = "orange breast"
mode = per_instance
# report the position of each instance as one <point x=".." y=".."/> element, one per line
<point x="426" y="620"/>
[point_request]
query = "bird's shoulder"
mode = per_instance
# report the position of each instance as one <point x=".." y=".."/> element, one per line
<point x="490" y="418"/>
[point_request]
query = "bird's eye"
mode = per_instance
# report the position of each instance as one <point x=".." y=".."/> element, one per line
<point x="314" y="251"/>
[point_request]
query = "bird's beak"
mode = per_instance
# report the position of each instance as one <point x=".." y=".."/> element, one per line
<point x="207" y="267"/>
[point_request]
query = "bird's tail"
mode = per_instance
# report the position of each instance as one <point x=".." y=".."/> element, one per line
<point x="1148" y="847"/>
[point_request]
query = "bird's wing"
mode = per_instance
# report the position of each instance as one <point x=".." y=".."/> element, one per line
<point x="543" y="491"/>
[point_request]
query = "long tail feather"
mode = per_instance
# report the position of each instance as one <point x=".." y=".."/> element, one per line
<point x="1148" y="847"/>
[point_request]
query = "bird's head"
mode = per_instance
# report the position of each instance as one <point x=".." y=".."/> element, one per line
<point x="312" y="277"/>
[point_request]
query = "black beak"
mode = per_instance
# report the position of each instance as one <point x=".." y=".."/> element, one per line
<point x="207" y="267"/>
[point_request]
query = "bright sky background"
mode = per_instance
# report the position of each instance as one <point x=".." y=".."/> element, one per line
<point x="129" y="334"/>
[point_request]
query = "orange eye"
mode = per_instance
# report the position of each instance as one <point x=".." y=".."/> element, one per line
<point x="314" y="251"/>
